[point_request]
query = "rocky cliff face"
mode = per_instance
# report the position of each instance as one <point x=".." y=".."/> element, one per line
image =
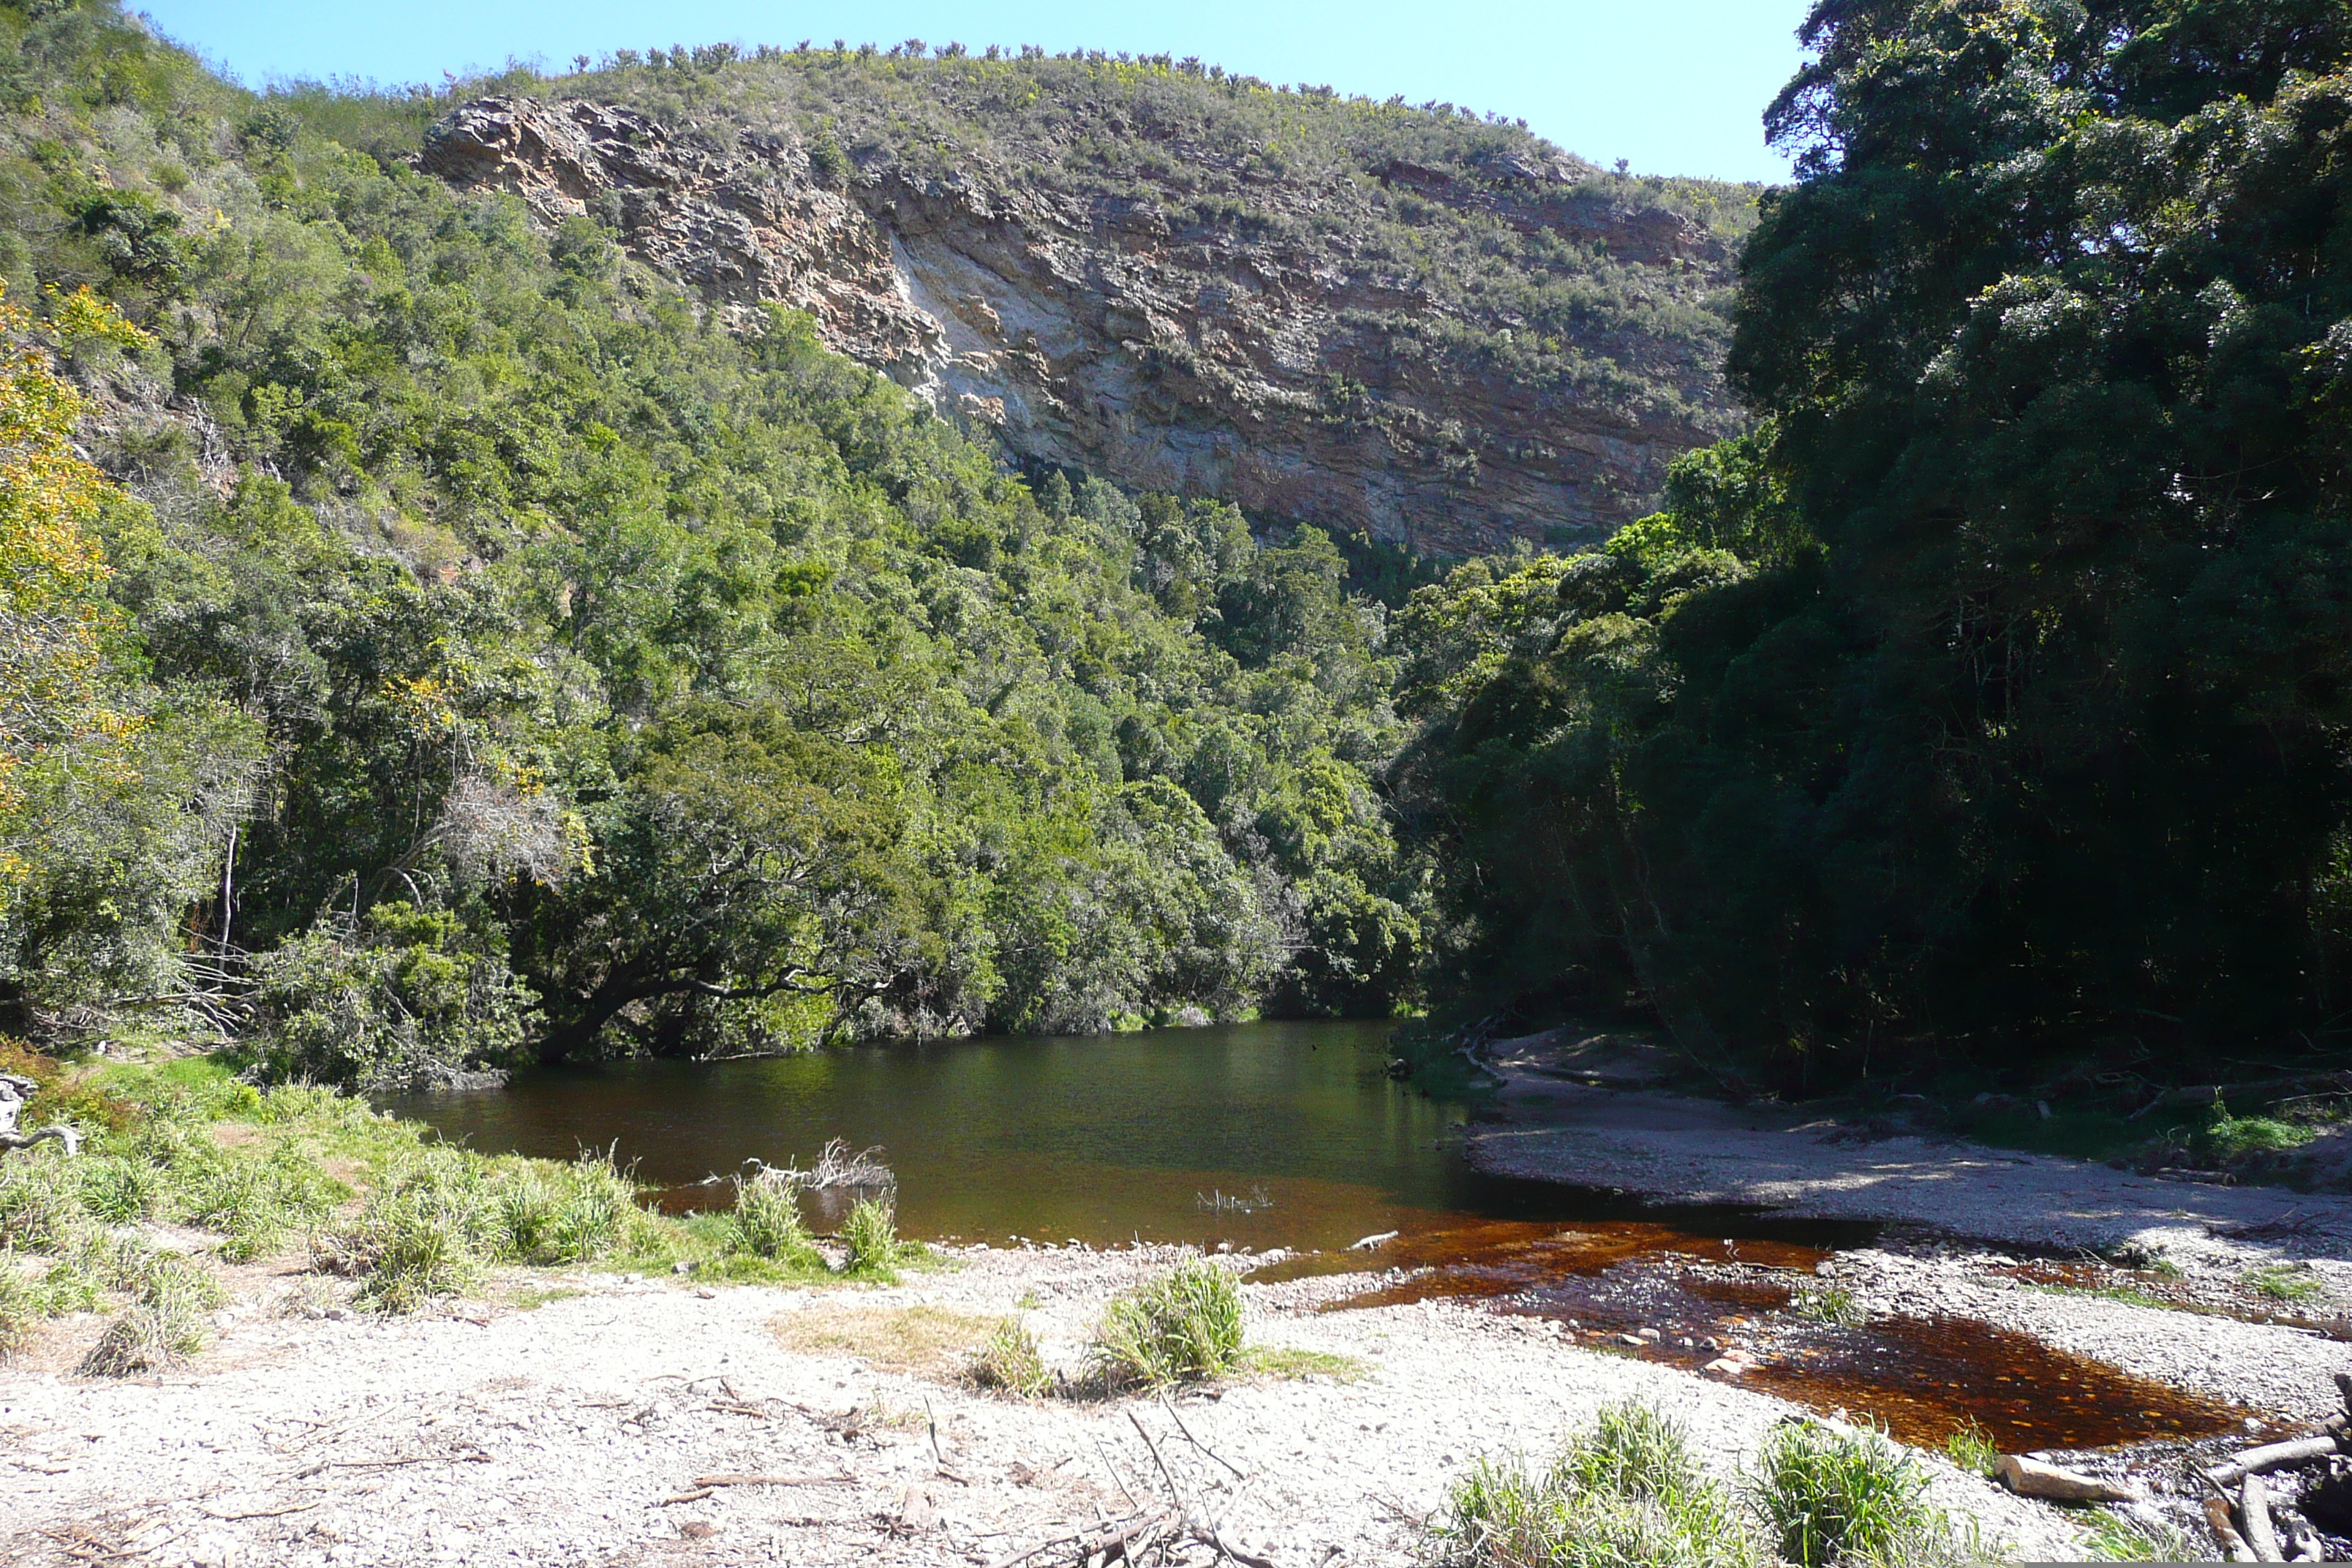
<point x="1276" y="364"/>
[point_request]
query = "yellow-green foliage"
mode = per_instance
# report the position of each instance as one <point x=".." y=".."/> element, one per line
<point x="1625" y="1491"/>
<point x="1183" y="1327"/>
<point x="871" y="1238"/>
<point x="1010" y="1360"/>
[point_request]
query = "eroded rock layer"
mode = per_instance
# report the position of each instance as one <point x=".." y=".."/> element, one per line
<point x="1291" y="376"/>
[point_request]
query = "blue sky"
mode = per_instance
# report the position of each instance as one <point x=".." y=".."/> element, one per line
<point x="1675" y="86"/>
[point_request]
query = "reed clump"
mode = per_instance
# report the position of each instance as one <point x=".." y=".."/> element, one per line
<point x="1010" y="1361"/>
<point x="1627" y="1490"/>
<point x="767" y="1222"/>
<point x="1183" y="1327"/>
<point x="869" y="1239"/>
<point x="1828" y="1496"/>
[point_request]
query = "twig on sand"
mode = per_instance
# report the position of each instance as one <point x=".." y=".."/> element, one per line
<point x="1203" y="1448"/>
<point x="1111" y="1533"/>
<point x="707" y="1482"/>
<point x="264" y="1513"/>
<point x="939" y="1460"/>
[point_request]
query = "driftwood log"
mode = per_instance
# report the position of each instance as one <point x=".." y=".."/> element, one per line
<point x="2242" y="1514"/>
<point x="13" y="1093"/>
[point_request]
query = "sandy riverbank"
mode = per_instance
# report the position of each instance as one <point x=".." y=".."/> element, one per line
<point x="504" y="1432"/>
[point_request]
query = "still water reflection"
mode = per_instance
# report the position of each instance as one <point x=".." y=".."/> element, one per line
<point x="1271" y="1134"/>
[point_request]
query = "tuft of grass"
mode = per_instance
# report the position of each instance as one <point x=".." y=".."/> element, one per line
<point x="2226" y="1137"/>
<point x="40" y="1200"/>
<point x="1827" y="1497"/>
<point x="2282" y="1282"/>
<point x="1183" y="1327"/>
<point x="1830" y="1304"/>
<point x="2114" y="1538"/>
<point x="412" y="1242"/>
<point x="118" y="1189"/>
<point x="1009" y="1359"/>
<point x="551" y="1214"/>
<point x="870" y="1236"/>
<point x="767" y="1218"/>
<point x="1624" y="1492"/>
<point x="165" y="1324"/>
<point x="1972" y="1449"/>
<point x="20" y="1306"/>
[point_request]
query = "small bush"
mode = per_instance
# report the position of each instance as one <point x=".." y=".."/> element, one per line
<point x="1183" y="1327"/>
<point x="767" y="1218"/>
<point x="401" y="997"/>
<point x="1009" y="1359"/>
<point x="117" y="1190"/>
<point x="1625" y="1492"/>
<point x="1828" y="1497"/>
<point x="20" y="1306"/>
<point x="870" y="1236"/>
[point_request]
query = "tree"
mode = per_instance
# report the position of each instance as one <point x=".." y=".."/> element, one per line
<point x="2021" y="715"/>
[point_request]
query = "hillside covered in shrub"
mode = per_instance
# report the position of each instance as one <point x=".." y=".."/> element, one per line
<point x="465" y="650"/>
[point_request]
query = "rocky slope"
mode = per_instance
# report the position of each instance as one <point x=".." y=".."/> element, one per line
<point x="1490" y="341"/>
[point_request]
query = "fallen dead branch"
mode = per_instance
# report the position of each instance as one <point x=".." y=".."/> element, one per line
<point x="2260" y="1512"/>
<point x="708" y="1482"/>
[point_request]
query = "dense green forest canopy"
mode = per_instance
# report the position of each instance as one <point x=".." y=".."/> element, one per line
<point x="471" y="651"/>
<point x="1993" y="693"/>
<point x="503" y="659"/>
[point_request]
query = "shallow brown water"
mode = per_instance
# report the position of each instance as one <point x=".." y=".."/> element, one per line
<point x="1923" y="1380"/>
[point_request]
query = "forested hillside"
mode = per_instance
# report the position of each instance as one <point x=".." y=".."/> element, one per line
<point x="474" y="649"/>
<point x="492" y="629"/>
<point x="1988" y="704"/>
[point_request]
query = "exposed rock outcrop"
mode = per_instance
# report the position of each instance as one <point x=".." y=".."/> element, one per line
<point x="1100" y="334"/>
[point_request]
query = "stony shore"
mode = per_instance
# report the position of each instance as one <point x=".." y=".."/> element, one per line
<point x="521" y="1429"/>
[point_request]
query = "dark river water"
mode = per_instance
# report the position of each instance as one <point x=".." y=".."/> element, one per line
<point x="1277" y="1134"/>
<point x="1291" y="1135"/>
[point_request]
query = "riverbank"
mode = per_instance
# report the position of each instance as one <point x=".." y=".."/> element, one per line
<point x="567" y="1420"/>
<point x="1563" y="1112"/>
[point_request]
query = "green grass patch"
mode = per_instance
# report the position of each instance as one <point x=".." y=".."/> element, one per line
<point x="1828" y="1497"/>
<point x="2113" y="1537"/>
<point x="1972" y="1449"/>
<point x="2282" y="1283"/>
<point x="1183" y="1327"/>
<point x="1833" y="1305"/>
<point x="1010" y="1360"/>
<point x="1625" y="1491"/>
<point x="370" y="1198"/>
<point x="532" y="1298"/>
<point x="1284" y="1360"/>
